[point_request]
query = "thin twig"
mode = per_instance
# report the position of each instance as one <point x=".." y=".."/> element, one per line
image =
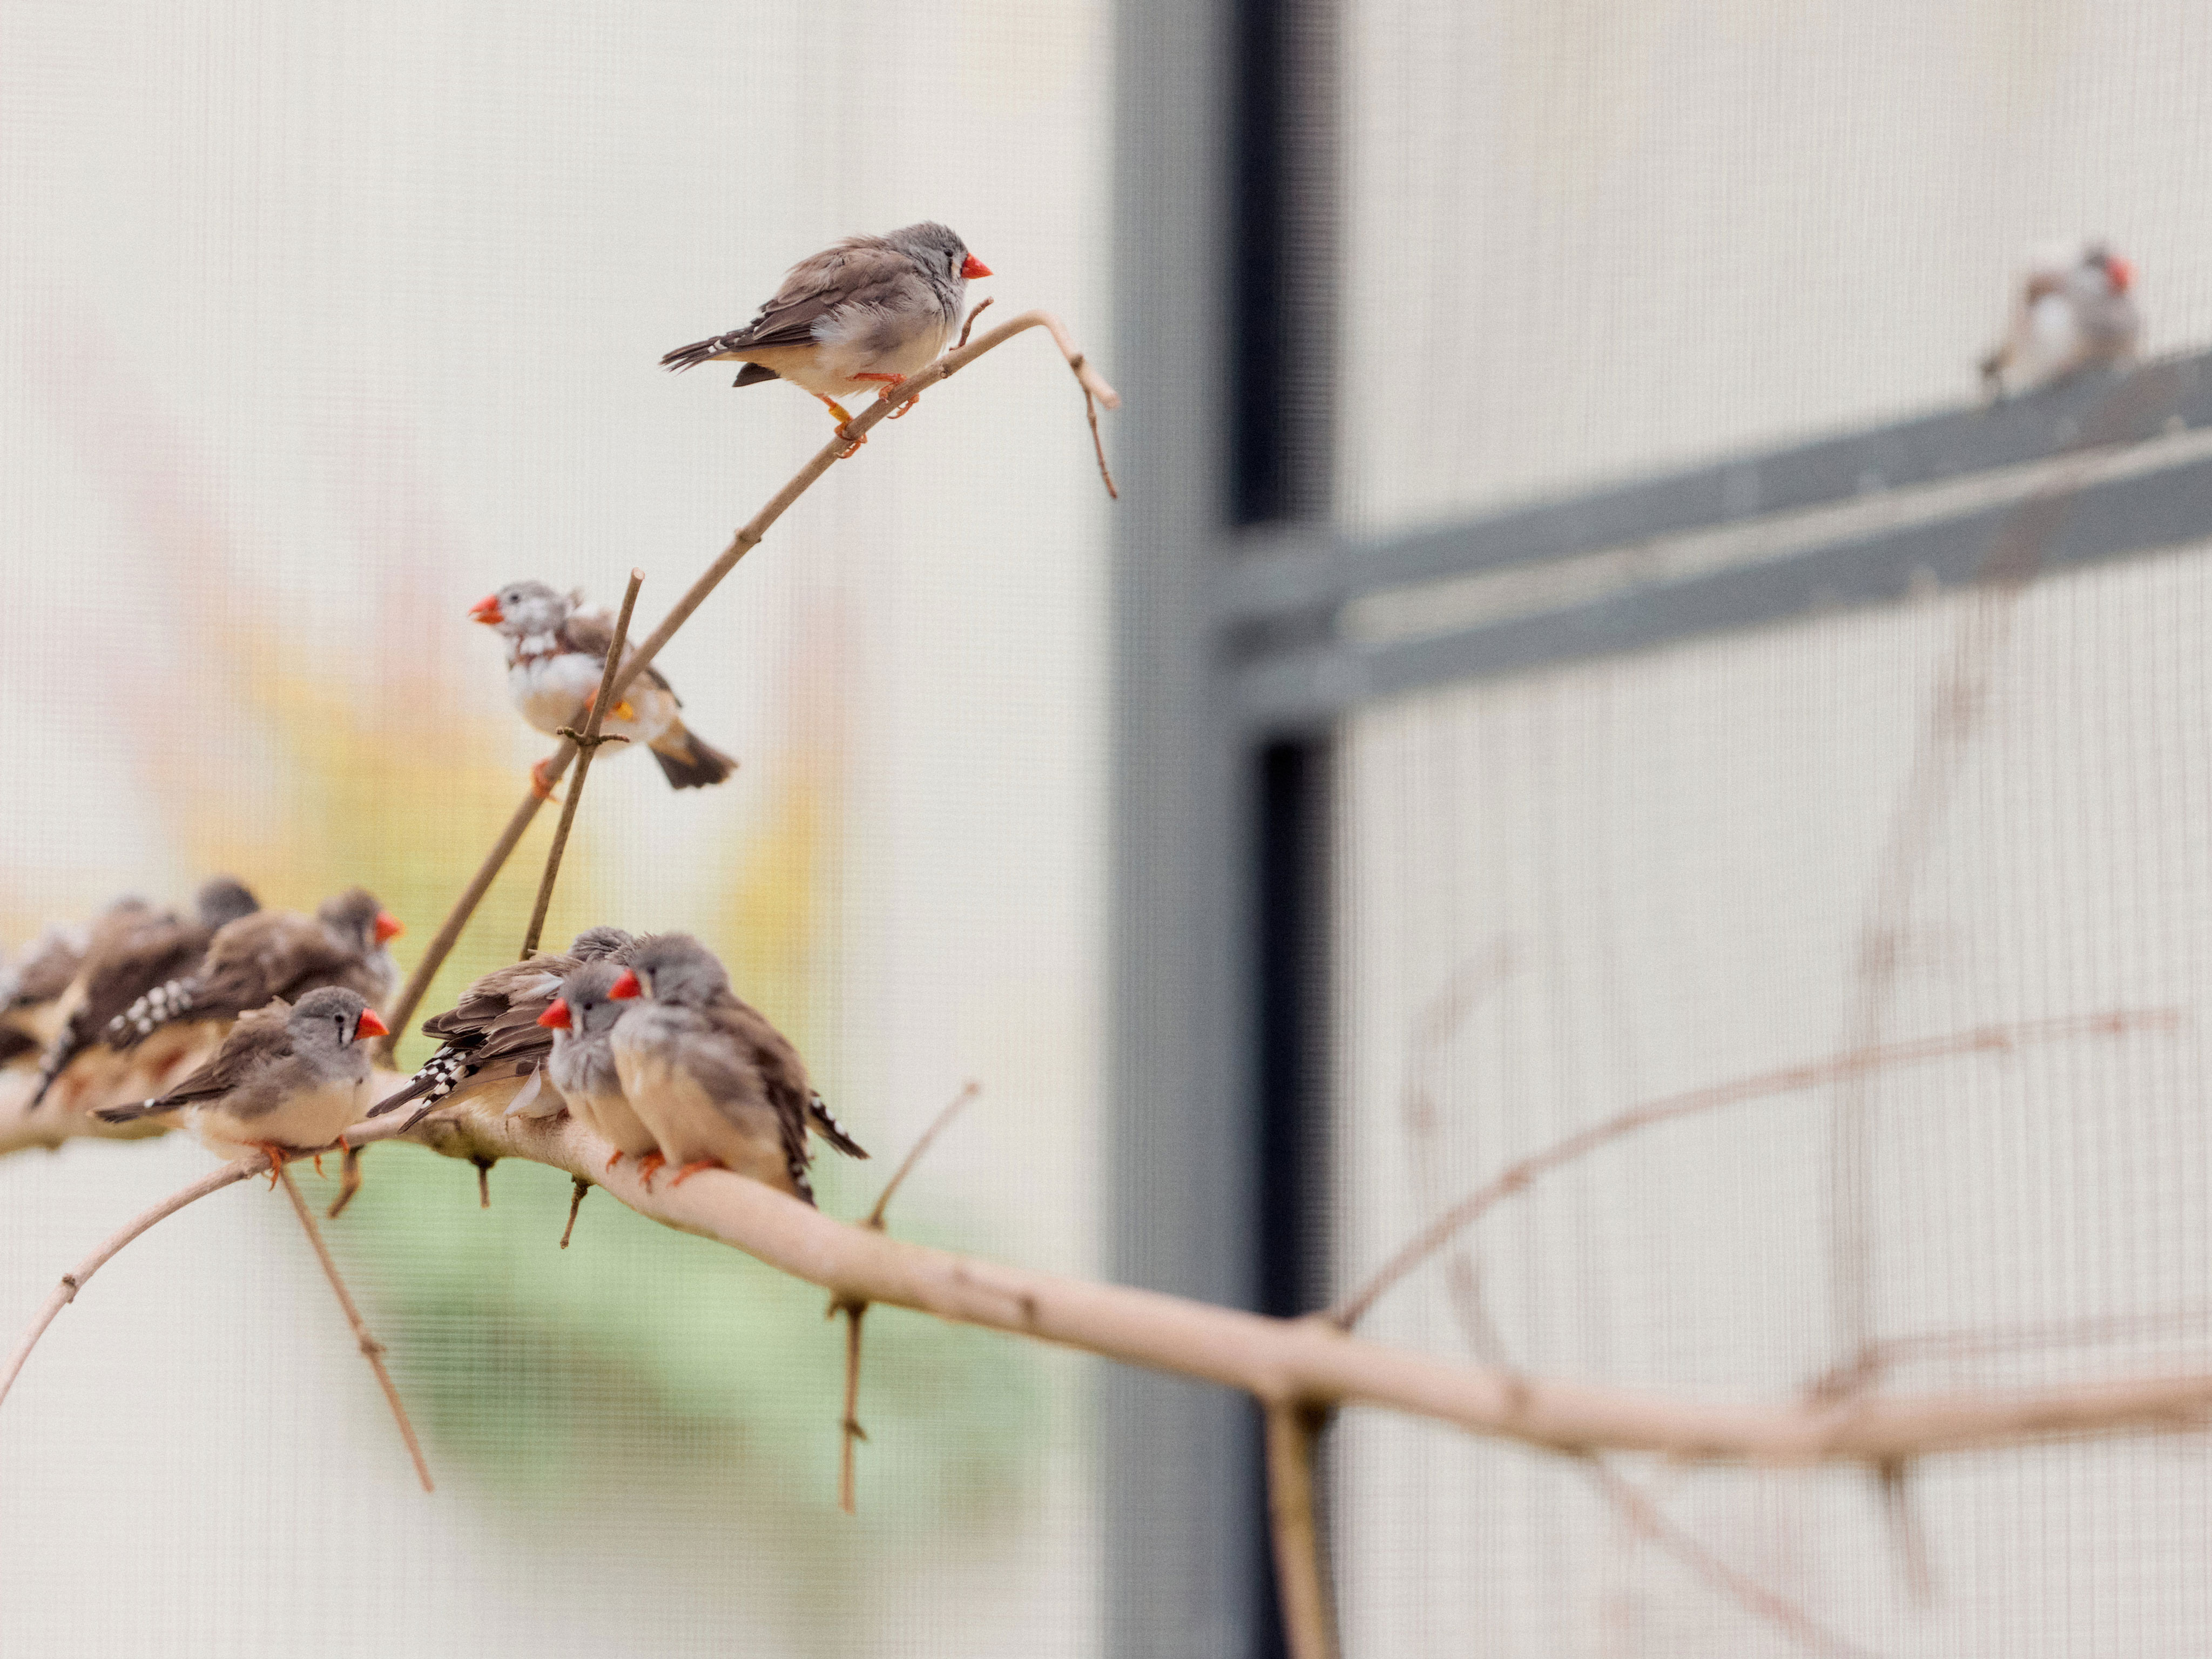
<point x="79" y="1276"/>
<point x="1308" y="1624"/>
<point x="968" y="327"/>
<point x="852" y="1310"/>
<point x="586" y="744"/>
<point x="1635" y="1505"/>
<point x="1787" y="1080"/>
<point x="348" y="1183"/>
<point x="575" y="1203"/>
<point x="748" y="536"/>
<point x="371" y="1349"/>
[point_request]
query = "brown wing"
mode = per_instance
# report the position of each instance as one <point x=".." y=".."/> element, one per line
<point x="591" y="632"/>
<point x="814" y="287"/>
<point x="166" y="948"/>
<point x="49" y="971"/>
<point x="275" y="953"/>
<point x="492" y="996"/>
<point x="782" y="1073"/>
<point x="259" y="1038"/>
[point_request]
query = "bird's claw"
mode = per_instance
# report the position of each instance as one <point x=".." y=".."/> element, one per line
<point x="541" y="785"/>
<point x="692" y="1169"/>
<point x="649" y="1166"/>
<point x="853" y="441"/>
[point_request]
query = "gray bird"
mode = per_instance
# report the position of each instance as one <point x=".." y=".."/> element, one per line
<point x="581" y="1020"/>
<point x="31" y="989"/>
<point x="716" y="1083"/>
<point x="278" y="954"/>
<point x="288" y="1079"/>
<point x="2074" y="311"/>
<point x="866" y="313"/>
<point x="122" y="965"/>
<point x="557" y="652"/>
<point x="492" y="1046"/>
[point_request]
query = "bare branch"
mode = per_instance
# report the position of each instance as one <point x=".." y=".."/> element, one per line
<point x="1308" y="1622"/>
<point x="748" y="536"/>
<point x="937" y="1126"/>
<point x="76" y="1279"/>
<point x="588" y="743"/>
<point x="575" y="1203"/>
<point x="1787" y="1080"/>
<point x="371" y="1349"/>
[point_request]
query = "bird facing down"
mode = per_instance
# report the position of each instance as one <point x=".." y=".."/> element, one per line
<point x="125" y="963"/>
<point x="866" y="313"/>
<point x="492" y="1043"/>
<point x="273" y="954"/>
<point x="288" y="1079"/>
<point x="715" y="1084"/>
<point x="2074" y="311"/>
<point x="556" y="653"/>
<point x="581" y="1020"/>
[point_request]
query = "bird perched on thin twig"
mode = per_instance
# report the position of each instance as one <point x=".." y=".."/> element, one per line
<point x="581" y="1020"/>
<point x="149" y="949"/>
<point x="30" y="989"/>
<point x="715" y="1082"/>
<point x="2074" y="311"/>
<point x="287" y="1080"/>
<point x="866" y="313"/>
<point x="492" y="1044"/>
<point x="273" y="954"/>
<point x="557" y="652"/>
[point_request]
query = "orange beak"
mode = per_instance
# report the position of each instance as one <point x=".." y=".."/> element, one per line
<point x="487" y="612"/>
<point x="2120" y="272"/>
<point x="370" y="1025"/>
<point x="974" y="268"/>
<point x="626" y="987"/>
<point x="388" y="927"/>
<point x="556" y="1017"/>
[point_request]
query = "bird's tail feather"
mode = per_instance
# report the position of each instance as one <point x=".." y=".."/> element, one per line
<point x="170" y="1000"/>
<point x="132" y="1114"/>
<point x="698" y="352"/>
<point x="436" y="1079"/>
<point x="69" y="1042"/>
<point x="688" y="762"/>
<point x="826" y="1126"/>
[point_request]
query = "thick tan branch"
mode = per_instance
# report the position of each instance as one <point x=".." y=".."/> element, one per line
<point x="1310" y="1361"/>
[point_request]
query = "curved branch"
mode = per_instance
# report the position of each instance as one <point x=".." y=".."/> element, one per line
<point x="1791" y="1079"/>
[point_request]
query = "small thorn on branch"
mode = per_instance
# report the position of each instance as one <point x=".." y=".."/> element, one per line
<point x="484" y="1180"/>
<point x="575" y="1203"/>
<point x="348" y="1183"/>
<point x="854" y="1309"/>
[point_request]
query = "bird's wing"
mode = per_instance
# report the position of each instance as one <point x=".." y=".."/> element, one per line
<point x="260" y="1038"/>
<point x="490" y="998"/>
<point x="166" y="948"/>
<point x="593" y="633"/>
<point x="776" y="1072"/>
<point x="836" y="278"/>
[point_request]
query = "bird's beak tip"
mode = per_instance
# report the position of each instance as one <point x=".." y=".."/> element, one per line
<point x="371" y="1025"/>
<point x="973" y="268"/>
<point x="625" y="988"/>
<point x="556" y="1018"/>
<point x="487" y="612"/>
<point x="388" y="927"/>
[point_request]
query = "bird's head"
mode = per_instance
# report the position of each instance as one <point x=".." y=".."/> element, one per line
<point x="586" y="1005"/>
<point x="596" y="942"/>
<point x="335" y="1018"/>
<point x="2117" y="275"/>
<point x="522" y="609"/>
<point x="939" y="250"/>
<point x="224" y="899"/>
<point x="672" y="968"/>
<point x="356" y="916"/>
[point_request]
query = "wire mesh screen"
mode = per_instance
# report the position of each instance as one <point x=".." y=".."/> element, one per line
<point x="318" y="324"/>
<point x="1963" y="840"/>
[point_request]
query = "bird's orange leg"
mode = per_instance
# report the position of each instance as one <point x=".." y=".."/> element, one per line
<point x="693" y="1167"/>
<point x="844" y="428"/>
<point x="612" y="1161"/>
<point x="649" y="1166"/>
<point x="890" y="390"/>
<point x="278" y="1157"/>
<point x="541" y="785"/>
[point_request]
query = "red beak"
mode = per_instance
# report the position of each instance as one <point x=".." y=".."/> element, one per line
<point x="370" y="1025"/>
<point x="2120" y="272"/>
<point x="974" y="268"/>
<point x="388" y="927"/>
<point x="556" y="1017"/>
<point x="626" y="987"/>
<point x="486" y="610"/>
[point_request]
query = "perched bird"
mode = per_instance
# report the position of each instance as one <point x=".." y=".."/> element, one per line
<point x="273" y="954"/>
<point x="31" y="991"/>
<point x="288" y="1079"/>
<point x="557" y="652"/>
<point x="581" y="1020"/>
<point x="493" y="1039"/>
<point x="715" y="1082"/>
<point x="2074" y="311"/>
<point x="124" y="963"/>
<point x="868" y="312"/>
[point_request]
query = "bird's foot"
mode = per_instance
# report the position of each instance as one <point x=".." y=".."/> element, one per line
<point x="318" y="1166"/>
<point x="612" y="1161"/>
<point x="649" y="1166"/>
<point x="541" y="782"/>
<point x="693" y="1167"/>
<point x="278" y="1158"/>
<point x="889" y="390"/>
<point x="852" y="443"/>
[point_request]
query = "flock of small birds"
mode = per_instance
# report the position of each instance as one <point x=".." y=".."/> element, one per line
<point x="641" y="1038"/>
